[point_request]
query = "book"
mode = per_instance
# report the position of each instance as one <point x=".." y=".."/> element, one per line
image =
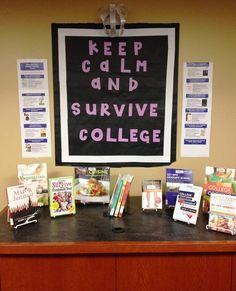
<point x="187" y="203"/>
<point x="116" y="196"/>
<point x="22" y="204"/>
<point x="35" y="173"/>
<point x="152" y="194"/>
<point x="61" y="194"/>
<point x="217" y="180"/>
<point x="92" y="184"/>
<point x="174" y="178"/>
<point x="222" y="215"/>
<point x="125" y="196"/>
<point x="113" y="194"/>
<point x="122" y="191"/>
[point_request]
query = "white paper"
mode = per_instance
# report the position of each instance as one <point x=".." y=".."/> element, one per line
<point x="187" y="203"/>
<point x="34" y="108"/>
<point x="196" y="113"/>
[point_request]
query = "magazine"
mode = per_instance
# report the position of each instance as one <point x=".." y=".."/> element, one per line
<point x="61" y="194"/>
<point x="35" y="173"/>
<point x="217" y="180"/>
<point x="187" y="203"/>
<point x="92" y="184"/>
<point x="22" y="204"/>
<point x="174" y="178"/>
<point x="152" y="194"/>
<point x="222" y="215"/>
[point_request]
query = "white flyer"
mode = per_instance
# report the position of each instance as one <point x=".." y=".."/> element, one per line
<point x="196" y="112"/>
<point x="34" y="108"/>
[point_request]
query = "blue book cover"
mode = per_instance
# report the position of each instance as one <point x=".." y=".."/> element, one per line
<point x="174" y="178"/>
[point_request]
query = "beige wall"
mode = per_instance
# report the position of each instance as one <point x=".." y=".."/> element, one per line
<point x="207" y="33"/>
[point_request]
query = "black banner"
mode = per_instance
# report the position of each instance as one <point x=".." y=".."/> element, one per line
<point x="115" y="98"/>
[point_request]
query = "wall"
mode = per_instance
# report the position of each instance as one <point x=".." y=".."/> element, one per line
<point x="207" y="33"/>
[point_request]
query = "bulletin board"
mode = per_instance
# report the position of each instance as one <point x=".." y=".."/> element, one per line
<point x="115" y="98"/>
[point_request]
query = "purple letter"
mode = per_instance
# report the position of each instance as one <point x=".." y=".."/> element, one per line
<point x="83" y="134"/>
<point x="133" y="135"/>
<point x="85" y="66"/>
<point x="156" y="134"/>
<point x="137" y="46"/>
<point x="75" y="108"/>
<point x="107" y="48"/>
<point x="96" y="83"/>
<point x="122" y="47"/>
<point x="133" y="84"/>
<point x="97" y="134"/>
<point x="153" y="110"/>
<point x="92" y="47"/>
<point x="104" y="109"/>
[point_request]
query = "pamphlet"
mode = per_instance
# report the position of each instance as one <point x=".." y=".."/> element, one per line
<point x="174" y="178"/>
<point x="152" y="194"/>
<point x="218" y="180"/>
<point x="222" y="215"/>
<point x="187" y="203"/>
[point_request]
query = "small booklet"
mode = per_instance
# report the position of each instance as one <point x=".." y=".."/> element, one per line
<point x="217" y="180"/>
<point x="35" y="173"/>
<point x="174" y="178"/>
<point x="92" y="184"/>
<point x="188" y="203"/>
<point x="222" y="215"/>
<point x="152" y="194"/>
<point x="22" y="204"/>
<point x="61" y="194"/>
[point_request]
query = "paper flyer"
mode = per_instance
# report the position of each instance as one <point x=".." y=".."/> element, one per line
<point x="196" y="112"/>
<point x="187" y="203"/>
<point x="34" y="108"/>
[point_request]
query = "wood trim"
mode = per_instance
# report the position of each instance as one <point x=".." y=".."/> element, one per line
<point x="118" y="247"/>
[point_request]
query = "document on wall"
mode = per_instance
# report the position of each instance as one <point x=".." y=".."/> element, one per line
<point x="34" y="108"/>
<point x="196" y="113"/>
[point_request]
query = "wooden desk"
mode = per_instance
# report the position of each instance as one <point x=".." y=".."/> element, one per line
<point x="84" y="252"/>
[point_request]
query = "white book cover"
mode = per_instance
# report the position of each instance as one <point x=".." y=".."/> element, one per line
<point x="35" y="173"/>
<point x="187" y="204"/>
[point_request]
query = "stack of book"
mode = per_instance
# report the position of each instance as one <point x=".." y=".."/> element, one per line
<point x="119" y="196"/>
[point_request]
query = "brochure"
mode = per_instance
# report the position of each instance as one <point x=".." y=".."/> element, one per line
<point x="222" y="216"/>
<point x="218" y="180"/>
<point x="152" y="194"/>
<point x="174" y="178"/>
<point x="187" y="203"/>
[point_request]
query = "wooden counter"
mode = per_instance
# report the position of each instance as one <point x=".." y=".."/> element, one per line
<point x="87" y="252"/>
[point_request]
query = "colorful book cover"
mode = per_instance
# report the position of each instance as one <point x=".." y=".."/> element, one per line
<point x="113" y="194"/>
<point x="61" y="194"/>
<point x="126" y="194"/>
<point x="174" y="178"/>
<point x="116" y="196"/>
<point x="152" y="194"/>
<point x="122" y="192"/>
<point x="222" y="215"/>
<point x="22" y="204"/>
<point x="92" y="184"/>
<point x="217" y="180"/>
<point x="35" y="173"/>
<point x="187" y="203"/>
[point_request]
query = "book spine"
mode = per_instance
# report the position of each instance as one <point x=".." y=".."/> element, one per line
<point x="116" y="198"/>
<point x="113" y="193"/>
<point x="125" y="196"/>
<point x="121" y="196"/>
